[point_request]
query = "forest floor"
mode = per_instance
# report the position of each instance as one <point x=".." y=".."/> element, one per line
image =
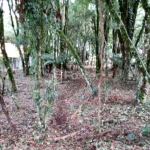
<point x="73" y="123"/>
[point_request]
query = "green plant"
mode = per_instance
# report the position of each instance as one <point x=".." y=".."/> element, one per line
<point x="44" y="104"/>
<point x="145" y="130"/>
<point x="50" y="96"/>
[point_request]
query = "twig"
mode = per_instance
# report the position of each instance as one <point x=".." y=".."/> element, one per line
<point x="66" y="136"/>
<point x="147" y="142"/>
<point x="76" y="112"/>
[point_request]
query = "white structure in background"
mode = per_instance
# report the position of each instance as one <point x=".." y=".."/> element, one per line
<point x="14" y="56"/>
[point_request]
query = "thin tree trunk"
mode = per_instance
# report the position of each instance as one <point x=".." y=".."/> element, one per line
<point x="3" y="105"/>
<point x="6" y="59"/>
<point x="37" y="94"/>
<point x="4" y="108"/>
<point x="106" y="35"/>
<point x="101" y="68"/>
<point x="96" y="28"/>
<point x="21" y="56"/>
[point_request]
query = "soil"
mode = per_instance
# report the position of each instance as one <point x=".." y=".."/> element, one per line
<point x="73" y="122"/>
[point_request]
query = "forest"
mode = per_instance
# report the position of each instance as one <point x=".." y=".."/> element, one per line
<point x="74" y="74"/>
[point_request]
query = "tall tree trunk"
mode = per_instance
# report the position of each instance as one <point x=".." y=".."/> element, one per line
<point x="24" y="56"/>
<point x="106" y="35"/>
<point x="36" y="93"/>
<point x="6" y="59"/>
<point x="124" y="44"/>
<point x="64" y="27"/>
<point x="128" y="19"/>
<point x="125" y="36"/>
<point x="144" y="85"/>
<point x="96" y="27"/>
<point x="101" y="68"/>
<point x="26" y="53"/>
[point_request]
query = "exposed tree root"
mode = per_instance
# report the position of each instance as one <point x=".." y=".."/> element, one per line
<point x="76" y="112"/>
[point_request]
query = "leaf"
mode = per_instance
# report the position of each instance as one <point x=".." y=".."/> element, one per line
<point x="145" y="130"/>
<point x="131" y="136"/>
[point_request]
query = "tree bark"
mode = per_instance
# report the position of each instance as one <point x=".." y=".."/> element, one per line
<point x="96" y="27"/>
<point x="144" y="85"/>
<point x="4" y="108"/>
<point x="5" y="57"/>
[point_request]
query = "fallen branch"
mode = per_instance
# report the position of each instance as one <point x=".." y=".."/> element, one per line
<point x="76" y="112"/>
<point x="66" y="136"/>
<point x="113" y="133"/>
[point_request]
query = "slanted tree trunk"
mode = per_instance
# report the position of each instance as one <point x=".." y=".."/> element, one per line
<point x="125" y="36"/>
<point x="3" y="105"/>
<point x="4" y="108"/>
<point x="24" y="56"/>
<point x="144" y="85"/>
<point x="77" y="58"/>
<point x="6" y="59"/>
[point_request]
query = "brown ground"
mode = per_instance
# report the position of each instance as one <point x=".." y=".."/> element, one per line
<point x="121" y="118"/>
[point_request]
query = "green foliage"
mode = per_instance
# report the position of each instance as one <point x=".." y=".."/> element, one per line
<point x="49" y="58"/>
<point x="145" y="130"/>
<point x="37" y="99"/>
<point x="44" y="104"/>
<point x="50" y="96"/>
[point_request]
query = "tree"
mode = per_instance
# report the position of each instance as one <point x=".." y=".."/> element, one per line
<point x="143" y="88"/>
<point x="96" y="29"/>
<point x="77" y="58"/>
<point x="2" y="102"/>
<point x="5" y="57"/>
<point x="21" y="39"/>
<point x="124" y="34"/>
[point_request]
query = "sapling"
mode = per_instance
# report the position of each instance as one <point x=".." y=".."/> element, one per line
<point x="44" y="104"/>
<point x="50" y="96"/>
